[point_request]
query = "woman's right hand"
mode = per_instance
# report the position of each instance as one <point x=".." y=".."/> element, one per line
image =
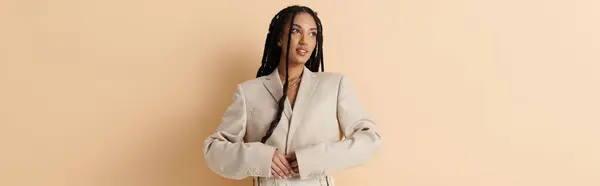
<point x="280" y="167"/>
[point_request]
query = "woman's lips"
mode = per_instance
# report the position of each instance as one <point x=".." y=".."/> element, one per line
<point x="301" y="51"/>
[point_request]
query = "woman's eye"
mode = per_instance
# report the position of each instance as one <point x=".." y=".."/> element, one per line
<point x="295" y="30"/>
<point x="313" y="34"/>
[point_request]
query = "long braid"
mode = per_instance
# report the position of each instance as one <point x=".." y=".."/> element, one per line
<point x="272" y="54"/>
<point x="319" y="43"/>
<point x="275" y="122"/>
<point x="316" y="59"/>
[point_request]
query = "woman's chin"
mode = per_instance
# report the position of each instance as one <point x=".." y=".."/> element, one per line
<point x="299" y="61"/>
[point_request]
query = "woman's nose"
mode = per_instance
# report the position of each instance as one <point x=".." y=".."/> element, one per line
<point x="302" y="41"/>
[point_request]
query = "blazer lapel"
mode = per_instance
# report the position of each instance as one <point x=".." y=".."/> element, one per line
<point x="307" y="86"/>
<point x="274" y="86"/>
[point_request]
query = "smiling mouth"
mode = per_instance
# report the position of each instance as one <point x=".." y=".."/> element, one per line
<point x="302" y="51"/>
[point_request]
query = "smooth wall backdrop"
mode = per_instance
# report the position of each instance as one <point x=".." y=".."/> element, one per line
<point x="467" y="92"/>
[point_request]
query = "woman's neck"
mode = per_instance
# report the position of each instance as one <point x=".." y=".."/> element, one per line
<point x="294" y="70"/>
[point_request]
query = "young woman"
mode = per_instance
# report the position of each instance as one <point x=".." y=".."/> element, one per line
<point x="284" y="127"/>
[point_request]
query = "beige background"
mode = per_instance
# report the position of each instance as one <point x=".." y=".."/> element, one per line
<point x="467" y="92"/>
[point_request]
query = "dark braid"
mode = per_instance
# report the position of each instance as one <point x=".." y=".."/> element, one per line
<point x="272" y="54"/>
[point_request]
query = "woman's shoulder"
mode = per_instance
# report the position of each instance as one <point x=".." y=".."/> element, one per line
<point x="323" y="77"/>
<point x="255" y="82"/>
<point x="328" y="76"/>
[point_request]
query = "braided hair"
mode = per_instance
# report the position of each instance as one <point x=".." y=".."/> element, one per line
<point x="272" y="54"/>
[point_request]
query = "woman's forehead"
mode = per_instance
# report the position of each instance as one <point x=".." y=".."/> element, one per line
<point x="304" y="20"/>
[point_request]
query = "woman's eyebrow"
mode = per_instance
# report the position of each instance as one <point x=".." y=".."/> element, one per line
<point x="301" y="27"/>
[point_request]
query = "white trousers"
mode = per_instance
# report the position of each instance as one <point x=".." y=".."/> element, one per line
<point x="322" y="181"/>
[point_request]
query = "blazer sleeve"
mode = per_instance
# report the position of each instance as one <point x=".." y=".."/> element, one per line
<point x="227" y="154"/>
<point x="362" y="139"/>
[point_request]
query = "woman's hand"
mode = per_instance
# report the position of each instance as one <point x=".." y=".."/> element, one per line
<point x="280" y="167"/>
<point x="293" y="162"/>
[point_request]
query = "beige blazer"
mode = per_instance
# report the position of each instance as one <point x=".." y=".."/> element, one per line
<point x="326" y="108"/>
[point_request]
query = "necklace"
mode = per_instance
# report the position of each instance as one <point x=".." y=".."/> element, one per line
<point x="296" y="83"/>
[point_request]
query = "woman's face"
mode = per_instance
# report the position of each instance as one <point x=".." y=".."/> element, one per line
<point x="303" y="40"/>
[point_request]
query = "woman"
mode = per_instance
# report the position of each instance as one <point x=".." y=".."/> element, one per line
<point x="284" y="127"/>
